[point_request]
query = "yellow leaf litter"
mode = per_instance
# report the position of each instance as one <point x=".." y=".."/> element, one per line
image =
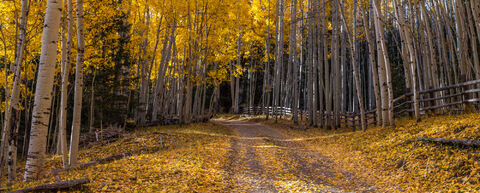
<point x="195" y="158"/>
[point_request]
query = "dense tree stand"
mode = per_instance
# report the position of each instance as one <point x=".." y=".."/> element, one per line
<point x="70" y="69"/>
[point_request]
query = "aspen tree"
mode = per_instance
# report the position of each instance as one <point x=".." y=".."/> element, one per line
<point x="382" y="63"/>
<point x="12" y="120"/>
<point x="292" y="58"/>
<point x="373" y="62"/>
<point x="66" y="53"/>
<point x="77" y="103"/>
<point x="411" y="59"/>
<point x="352" y="40"/>
<point x="41" y="108"/>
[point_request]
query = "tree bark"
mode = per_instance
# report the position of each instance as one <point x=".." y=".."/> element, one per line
<point x="373" y="61"/>
<point x="41" y="109"/>
<point x="411" y="59"/>
<point x="352" y="40"/>
<point x="66" y="53"/>
<point x="10" y="131"/>
<point x="77" y="104"/>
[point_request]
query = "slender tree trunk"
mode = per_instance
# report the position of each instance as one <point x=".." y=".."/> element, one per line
<point x="232" y="87"/>
<point x="279" y="59"/>
<point x="354" y="65"/>
<point x="328" y="93"/>
<point x="266" y="77"/>
<point x="237" y="78"/>
<point x="41" y="109"/>
<point x="320" y="61"/>
<point x="91" y="119"/>
<point x="373" y="62"/>
<point x="77" y="104"/>
<point x="166" y="55"/>
<point x="66" y="53"/>
<point x="10" y="130"/>
<point x="411" y="59"/>
<point x="293" y="58"/>
<point x="382" y="63"/>
<point x="144" y="79"/>
<point x="12" y="122"/>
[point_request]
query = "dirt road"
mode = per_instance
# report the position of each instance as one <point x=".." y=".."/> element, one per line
<point x="262" y="159"/>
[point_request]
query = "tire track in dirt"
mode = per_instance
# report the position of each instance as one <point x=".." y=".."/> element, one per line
<point x="244" y="169"/>
<point x="254" y="151"/>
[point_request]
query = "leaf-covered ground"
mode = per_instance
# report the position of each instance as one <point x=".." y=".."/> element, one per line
<point x="243" y="156"/>
<point x="385" y="157"/>
<point x="192" y="160"/>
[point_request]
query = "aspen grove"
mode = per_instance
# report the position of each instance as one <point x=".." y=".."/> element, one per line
<point x="75" y="73"/>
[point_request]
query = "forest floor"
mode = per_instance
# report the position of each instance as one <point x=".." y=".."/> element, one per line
<point x="392" y="159"/>
<point x="234" y="154"/>
<point x="263" y="159"/>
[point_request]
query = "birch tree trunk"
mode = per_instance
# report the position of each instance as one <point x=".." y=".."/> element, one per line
<point x="77" y="104"/>
<point x="41" y="107"/>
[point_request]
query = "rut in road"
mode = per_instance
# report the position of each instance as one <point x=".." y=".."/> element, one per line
<point x="262" y="159"/>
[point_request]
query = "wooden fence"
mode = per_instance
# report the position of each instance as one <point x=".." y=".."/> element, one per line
<point x="453" y="98"/>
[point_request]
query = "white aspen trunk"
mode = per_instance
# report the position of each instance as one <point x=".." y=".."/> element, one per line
<point x="166" y="53"/>
<point x="237" y="78"/>
<point x="473" y="41"/>
<point x="232" y="87"/>
<point x="143" y="72"/>
<point x="10" y="130"/>
<point x="382" y="55"/>
<point x="152" y="62"/>
<point x="293" y="58"/>
<point x="327" y="69"/>
<point x="373" y="61"/>
<point x="66" y="53"/>
<point x="309" y="64"/>
<point x="77" y="104"/>
<point x="433" y="59"/>
<point x="266" y="76"/>
<point x="314" y="61"/>
<point x="320" y="61"/>
<point x="41" y="108"/>
<point x="475" y="6"/>
<point x="352" y="40"/>
<point x="461" y="40"/>
<point x="336" y="65"/>
<point x="91" y="119"/>
<point x="411" y="59"/>
<point x="279" y="59"/>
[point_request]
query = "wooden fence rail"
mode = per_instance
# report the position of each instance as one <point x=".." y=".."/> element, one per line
<point x="432" y="101"/>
